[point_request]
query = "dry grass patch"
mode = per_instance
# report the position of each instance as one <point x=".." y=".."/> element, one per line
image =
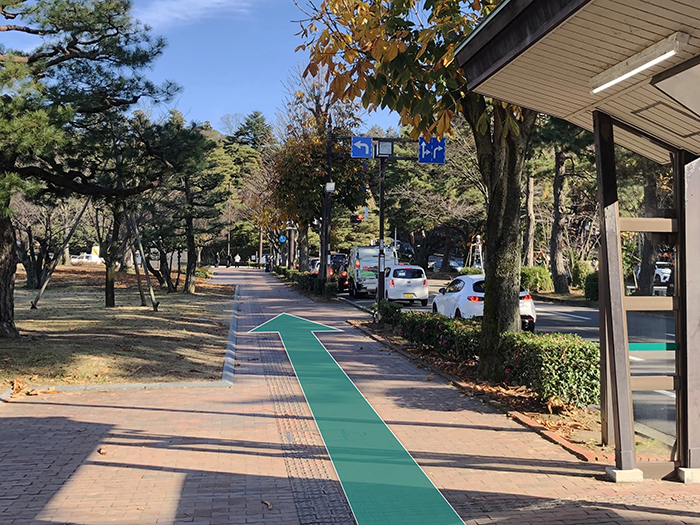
<point x="73" y="339"/>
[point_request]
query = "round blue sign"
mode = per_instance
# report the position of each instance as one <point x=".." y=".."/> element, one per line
<point x="283" y="238"/>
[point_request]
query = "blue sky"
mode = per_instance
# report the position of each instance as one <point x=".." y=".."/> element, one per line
<point x="230" y="56"/>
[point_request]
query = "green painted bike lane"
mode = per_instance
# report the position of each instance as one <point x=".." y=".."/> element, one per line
<point x="382" y="482"/>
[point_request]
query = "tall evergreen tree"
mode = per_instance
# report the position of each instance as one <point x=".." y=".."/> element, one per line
<point x="88" y="60"/>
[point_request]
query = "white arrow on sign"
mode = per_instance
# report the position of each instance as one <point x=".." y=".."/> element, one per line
<point x="435" y="151"/>
<point x="424" y="149"/>
<point x="359" y="144"/>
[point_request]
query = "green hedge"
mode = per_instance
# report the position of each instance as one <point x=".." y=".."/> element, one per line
<point x="308" y="282"/>
<point x="536" y="279"/>
<point x="579" y="272"/>
<point x="470" y="270"/>
<point x="453" y="339"/>
<point x="562" y="366"/>
<point x="591" y="287"/>
<point x="553" y="365"/>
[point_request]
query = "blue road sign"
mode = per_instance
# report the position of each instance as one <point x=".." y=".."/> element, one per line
<point x="283" y="238"/>
<point x="432" y="152"/>
<point x="361" y="147"/>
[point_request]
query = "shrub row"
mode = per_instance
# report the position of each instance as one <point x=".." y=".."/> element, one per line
<point x="580" y="272"/>
<point x="591" y="287"/>
<point x="562" y="366"/>
<point x="308" y="282"/>
<point x="536" y="278"/>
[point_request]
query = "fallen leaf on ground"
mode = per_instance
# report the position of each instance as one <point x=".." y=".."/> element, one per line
<point x="82" y="429"/>
<point x="17" y="386"/>
<point x="102" y="451"/>
<point x="269" y="505"/>
<point x="430" y="377"/>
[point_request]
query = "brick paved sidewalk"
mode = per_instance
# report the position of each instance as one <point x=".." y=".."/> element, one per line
<point x="212" y="455"/>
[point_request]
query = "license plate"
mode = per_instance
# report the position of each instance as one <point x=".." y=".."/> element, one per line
<point x="408" y="295"/>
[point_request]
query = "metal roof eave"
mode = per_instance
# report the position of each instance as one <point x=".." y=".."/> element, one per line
<point x="512" y="28"/>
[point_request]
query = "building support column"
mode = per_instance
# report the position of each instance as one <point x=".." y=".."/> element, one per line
<point x="687" y="185"/>
<point x="613" y="312"/>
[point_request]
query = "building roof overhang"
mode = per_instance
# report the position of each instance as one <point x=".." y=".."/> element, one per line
<point x="551" y="55"/>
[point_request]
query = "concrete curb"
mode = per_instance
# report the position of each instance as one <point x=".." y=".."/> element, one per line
<point x="226" y="379"/>
<point x="358" y="306"/>
<point x="519" y="417"/>
<point x="565" y="302"/>
<point x="6" y="396"/>
<point x="230" y="358"/>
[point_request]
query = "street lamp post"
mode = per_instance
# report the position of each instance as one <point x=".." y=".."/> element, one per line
<point x="327" y="204"/>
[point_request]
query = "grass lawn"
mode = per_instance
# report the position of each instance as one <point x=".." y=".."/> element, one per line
<point x="73" y="339"/>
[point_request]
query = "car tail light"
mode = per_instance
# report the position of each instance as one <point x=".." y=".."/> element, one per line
<point x="331" y="272"/>
<point x="391" y="283"/>
<point x="357" y="264"/>
<point x="474" y="299"/>
<point x="344" y="274"/>
<point x="527" y="297"/>
<point x="425" y="282"/>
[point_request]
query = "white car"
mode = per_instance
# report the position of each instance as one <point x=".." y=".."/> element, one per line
<point x="464" y="297"/>
<point x="86" y="258"/>
<point x="405" y="283"/>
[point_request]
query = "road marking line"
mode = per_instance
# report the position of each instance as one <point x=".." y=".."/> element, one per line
<point x="666" y="393"/>
<point x="671" y="335"/>
<point x="566" y="315"/>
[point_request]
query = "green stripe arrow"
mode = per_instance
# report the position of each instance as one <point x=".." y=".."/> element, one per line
<point x="382" y="482"/>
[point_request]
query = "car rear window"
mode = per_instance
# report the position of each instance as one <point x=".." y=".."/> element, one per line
<point x="408" y="273"/>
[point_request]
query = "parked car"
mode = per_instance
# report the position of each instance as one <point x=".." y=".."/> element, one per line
<point x="464" y="297"/>
<point x="662" y="273"/>
<point x="406" y="283"/>
<point x="86" y="258"/>
<point x="435" y="263"/>
<point x="342" y="277"/>
<point x="363" y="266"/>
<point x="314" y="266"/>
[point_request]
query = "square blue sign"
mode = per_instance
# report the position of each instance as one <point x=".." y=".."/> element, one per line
<point x="432" y="152"/>
<point x="361" y="148"/>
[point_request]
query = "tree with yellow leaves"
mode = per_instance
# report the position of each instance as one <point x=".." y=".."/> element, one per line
<point x="399" y="54"/>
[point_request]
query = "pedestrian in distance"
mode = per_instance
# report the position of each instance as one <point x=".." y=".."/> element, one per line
<point x="228" y="260"/>
<point x="216" y="260"/>
<point x="237" y="260"/>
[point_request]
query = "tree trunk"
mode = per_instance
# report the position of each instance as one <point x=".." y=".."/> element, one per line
<point x="445" y="267"/>
<point x="156" y="273"/>
<point x="191" y="256"/>
<point x="303" y="243"/>
<point x="8" y="266"/>
<point x="531" y="223"/>
<point x="165" y="269"/>
<point x="112" y="255"/>
<point x="179" y="269"/>
<point x="647" y="271"/>
<point x="556" y="249"/>
<point x="66" y="256"/>
<point x="501" y="157"/>
<point x="110" y="270"/>
<point x="260" y="247"/>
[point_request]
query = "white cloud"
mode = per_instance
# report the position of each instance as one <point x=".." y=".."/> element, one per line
<point x="160" y="14"/>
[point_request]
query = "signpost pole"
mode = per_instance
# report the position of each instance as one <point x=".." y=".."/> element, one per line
<point x="380" y="266"/>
